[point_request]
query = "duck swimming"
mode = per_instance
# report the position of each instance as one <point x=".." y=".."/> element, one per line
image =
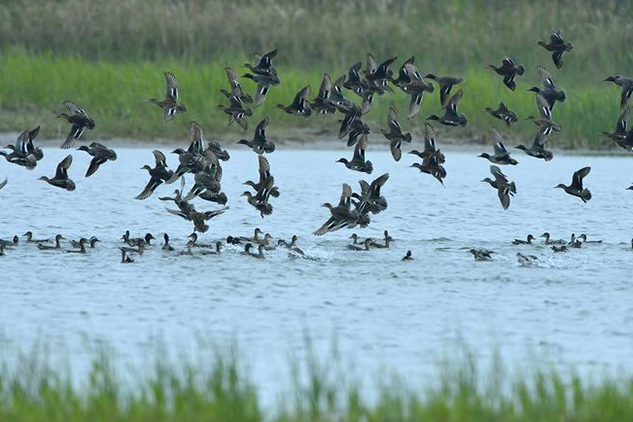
<point x="82" y="247"/>
<point x="166" y="246"/>
<point x="549" y="241"/>
<point x="583" y="239"/>
<point x="43" y="247"/>
<point x="15" y="240"/>
<point x="124" y="258"/>
<point x="100" y="153"/>
<point x="529" y="240"/>
<point x="79" y="120"/>
<point x="481" y="254"/>
<point x="388" y="240"/>
<point x="408" y="256"/>
<point x="576" y="188"/>
<point x="29" y="238"/>
<point x="170" y="104"/>
<point x="365" y="247"/>
<point x="557" y="249"/>
<point x="557" y="46"/>
<point x="61" y="179"/>
<point x="509" y="70"/>
<point x="503" y="113"/>
<point x="395" y="135"/>
<point x="292" y="245"/>
<point x="258" y="255"/>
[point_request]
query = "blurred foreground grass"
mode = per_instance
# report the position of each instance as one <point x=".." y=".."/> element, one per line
<point x="217" y="388"/>
<point x="116" y="93"/>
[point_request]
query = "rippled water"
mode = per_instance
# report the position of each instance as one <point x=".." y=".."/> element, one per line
<point x="577" y="307"/>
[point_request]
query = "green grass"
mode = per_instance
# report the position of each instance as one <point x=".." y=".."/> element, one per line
<point x="109" y="57"/>
<point x="116" y="94"/>
<point x="217" y="388"/>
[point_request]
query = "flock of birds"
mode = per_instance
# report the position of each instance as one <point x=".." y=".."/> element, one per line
<point x="203" y="157"/>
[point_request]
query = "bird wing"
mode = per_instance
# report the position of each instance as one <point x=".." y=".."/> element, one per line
<point x="543" y="107"/>
<point x="160" y="158"/>
<point x="326" y="87"/>
<point x="499" y="147"/>
<point x="260" y="131"/>
<point x="371" y="65"/>
<point x="62" y="167"/>
<point x="392" y="119"/>
<point x="546" y="77"/>
<point x="578" y="176"/>
<point x="172" y="85"/>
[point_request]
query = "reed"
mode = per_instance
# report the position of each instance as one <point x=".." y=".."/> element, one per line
<point x="217" y="388"/>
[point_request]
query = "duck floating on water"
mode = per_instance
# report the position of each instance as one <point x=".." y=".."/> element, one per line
<point x="528" y="241"/>
<point x="481" y="254"/>
<point x="408" y="256"/>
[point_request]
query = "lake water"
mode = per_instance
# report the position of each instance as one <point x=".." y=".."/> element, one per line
<point x="576" y="308"/>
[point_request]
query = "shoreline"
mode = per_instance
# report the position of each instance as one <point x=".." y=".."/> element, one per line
<point x="310" y="139"/>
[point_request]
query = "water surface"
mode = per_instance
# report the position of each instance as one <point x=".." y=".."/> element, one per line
<point x="576" y="307"/>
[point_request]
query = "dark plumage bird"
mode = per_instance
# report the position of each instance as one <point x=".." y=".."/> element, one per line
<point x="61" y="179"/>
<point x="388" y="239"/>
<point x="627" y="88"/>
<point x="446" y="84"/>
<point x="562" y="248"/>
<point x="358" y="161"/>
<point x="481" y="254"/>
<point x="3" y="183"/>
<point x="509" y="70"/>
<point x="501" y="154"/>
<point x="352" y="125"/>
<point x="365" y="247"/>
<point x="264" y="75"/>
<point x="395" y="135"/>
<point x="57" y="245"/>
<point x="538" y="150"/>
<point x="528" y="241"/>
<point x="24" y="153"/>
<point x="504" y="188"/>
<point x="378" y="74"/>
<point x="322" y="102"/>
<point x="451" y="117"/>
<point x="544" y="122"/>
<point x="100" y="153"/>
<point x="236" y="89"/>
<point x="557" y="46"/>
<point x="430" y="146"/>
<point x="166" y="246"/>
<point x="125" y="259"/>
<point x="260" y="144"/>
<point x="370" y="198"/>
<point x="79" y="120"/>
<point x="158" y="175"/>
<point x="503" y="113"/>
<point x="408" y="256"/>
<point x="170" y="104"/>
<point x="236" y="111"/>
<point x="576" y="188"/>
<point x="416" y="87"/>
<point x="549" y="241"/>
<point x="342" y="215"/>
<point x="621" y="135"/>
<point x="550" y="91"/>
<point x="264" y="189"/>
<point x="199" y="219"/>
<point x="300" y="105"/>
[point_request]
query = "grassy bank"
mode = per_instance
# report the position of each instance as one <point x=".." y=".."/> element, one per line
<point x="217" y="389"/>
<point x="116" y="93"/>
